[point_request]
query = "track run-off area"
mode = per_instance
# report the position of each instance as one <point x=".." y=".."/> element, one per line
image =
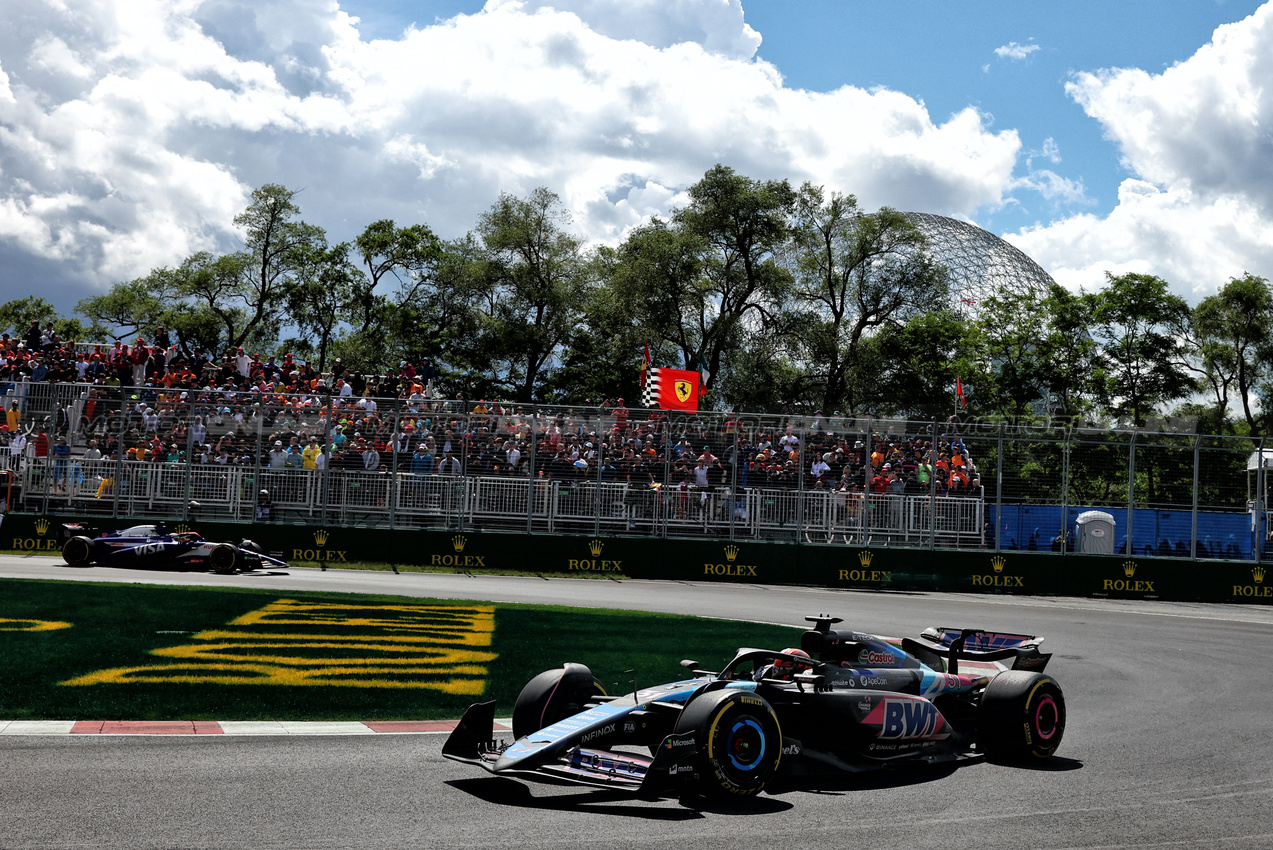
<point x="1168" y="744"/>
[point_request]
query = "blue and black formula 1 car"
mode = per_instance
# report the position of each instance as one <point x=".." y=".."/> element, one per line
<point x="843" y="702"/>
<point x="154" y="547"/>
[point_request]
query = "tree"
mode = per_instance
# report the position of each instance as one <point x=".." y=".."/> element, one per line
<point x="533" y="281"/>
<point x="326" y="286"/>
<point x="854" y="273"/>
<point x="1232" y="345"/>
<point x="16" y="316"/>
<point x="1136" y="316"/>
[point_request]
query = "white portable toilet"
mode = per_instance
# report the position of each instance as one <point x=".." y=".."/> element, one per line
<point x="1095" y="533"/>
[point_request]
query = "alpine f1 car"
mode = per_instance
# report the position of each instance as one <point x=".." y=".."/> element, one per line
<point x="843" y="702"/>
<point x="153" y="546"/>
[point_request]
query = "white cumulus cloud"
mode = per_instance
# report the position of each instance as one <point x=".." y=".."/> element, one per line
<point x="1012" y="50"/>
<point x="1198" y="208"/>
<point x="132" y="131"/>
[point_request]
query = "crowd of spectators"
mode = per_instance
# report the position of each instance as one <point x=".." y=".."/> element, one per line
<point x="148" y="402"/>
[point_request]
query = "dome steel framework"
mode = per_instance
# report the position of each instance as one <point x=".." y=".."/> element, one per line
<point x="980" y="263"/>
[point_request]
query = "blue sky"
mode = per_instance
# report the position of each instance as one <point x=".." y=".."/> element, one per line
<point x="1098" y="137"/>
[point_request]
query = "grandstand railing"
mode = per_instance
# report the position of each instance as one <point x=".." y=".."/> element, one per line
<point x="1169" y="493"/>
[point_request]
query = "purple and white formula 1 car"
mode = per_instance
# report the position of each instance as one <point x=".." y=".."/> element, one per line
<point x="154" y="547"/>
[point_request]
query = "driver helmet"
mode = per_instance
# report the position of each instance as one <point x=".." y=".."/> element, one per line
<point x="789" y="662"/>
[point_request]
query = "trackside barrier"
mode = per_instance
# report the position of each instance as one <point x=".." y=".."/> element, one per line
<point x="878" y="568"/>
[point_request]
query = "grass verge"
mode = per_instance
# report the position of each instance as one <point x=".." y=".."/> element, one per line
<point x="145" y="652"/>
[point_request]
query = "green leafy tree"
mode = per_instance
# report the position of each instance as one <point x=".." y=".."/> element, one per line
<point x="533" y="281"/>
<point x="1232" y="346"/>
<point x="854" y="274"/>
<point x="1137" y="315"/>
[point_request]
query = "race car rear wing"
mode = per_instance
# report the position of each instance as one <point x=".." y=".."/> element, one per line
<point x="978" y="645"/>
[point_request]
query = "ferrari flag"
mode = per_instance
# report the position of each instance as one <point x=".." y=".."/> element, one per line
<point x="671" y="389"/>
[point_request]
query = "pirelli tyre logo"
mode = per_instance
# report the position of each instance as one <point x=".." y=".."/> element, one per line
<point x="864" y="573"/>
<point x="997" y="578"/>
<point x="1129" y="583"/>
<point x="596" y="563"/>
<point x="731" y="568"/>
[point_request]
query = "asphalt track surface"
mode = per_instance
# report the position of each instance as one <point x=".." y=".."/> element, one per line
<point x="1169" y="745"/>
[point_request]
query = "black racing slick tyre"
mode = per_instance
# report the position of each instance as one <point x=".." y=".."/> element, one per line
<point x="1021" y="717"/>
<point x="739" y="741"/>
<point x="223" y="558"/>
<point x="78" y="551"/>
<point x="554" y="695"/>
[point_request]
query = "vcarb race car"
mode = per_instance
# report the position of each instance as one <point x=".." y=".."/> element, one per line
<point x="845" y="701"/>
<point x="154" y="547"/>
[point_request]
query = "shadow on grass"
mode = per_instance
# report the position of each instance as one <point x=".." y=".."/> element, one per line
<point x="509" y="792"/>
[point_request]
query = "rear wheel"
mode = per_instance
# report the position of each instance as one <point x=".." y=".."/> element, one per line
<point x="1022" y="716"/>
<point x="77" y="551"/>
<point x="739" y="741"/>
<point x="554" y="695"/>
<point x="223" y="558"/>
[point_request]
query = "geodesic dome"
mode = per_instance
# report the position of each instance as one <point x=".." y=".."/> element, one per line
<point x="980" y="263"/>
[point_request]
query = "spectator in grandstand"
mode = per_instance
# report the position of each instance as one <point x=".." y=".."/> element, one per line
<point x="370" y="457"/>
<point x="450" y="464"/>
<point x="13" y="417"/>
<point x="422" y="460"/>
<point x="278" y="455"/>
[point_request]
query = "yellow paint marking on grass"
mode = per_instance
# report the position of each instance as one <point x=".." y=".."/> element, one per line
<point x="264" y="674"/>
<point x="355" y="645"/>
<point x="8" y="625"/>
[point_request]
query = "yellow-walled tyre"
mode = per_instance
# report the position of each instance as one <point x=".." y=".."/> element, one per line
<point x="1021" y="717"/>
<point x="739" y="742"/>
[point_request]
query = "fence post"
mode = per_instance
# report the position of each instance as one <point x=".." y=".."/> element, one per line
<point x="1257" y="510"/>
<point x="120" y="448"/>
<point x="1131" y="492"/>
<point x="531" y="483"/>
<point x="999" y="494"/>
<point x="187" y="489"/>
<point x="868" y="470"/>
<point x="1193" y="527"/>
<point x="1065" y="491"/>
<point x="932" y="496"/>
<point x="393" y="469"/>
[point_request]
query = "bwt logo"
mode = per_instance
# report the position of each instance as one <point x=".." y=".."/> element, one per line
<point x="909" y="719"/>
<point x="41" y="526"/>
<point x="459" y="541"/>
<point x="864" y="557"/>
<point x="595" y="547"/>
<point x="320" y="537"/>
<point x="997" y="562"/>
<point x="731" y="552"/>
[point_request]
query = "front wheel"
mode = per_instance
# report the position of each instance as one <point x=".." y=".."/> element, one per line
<point x="739" y="741"/>
<point x="554" y="695"/>
<point x="1022" y="716"/>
